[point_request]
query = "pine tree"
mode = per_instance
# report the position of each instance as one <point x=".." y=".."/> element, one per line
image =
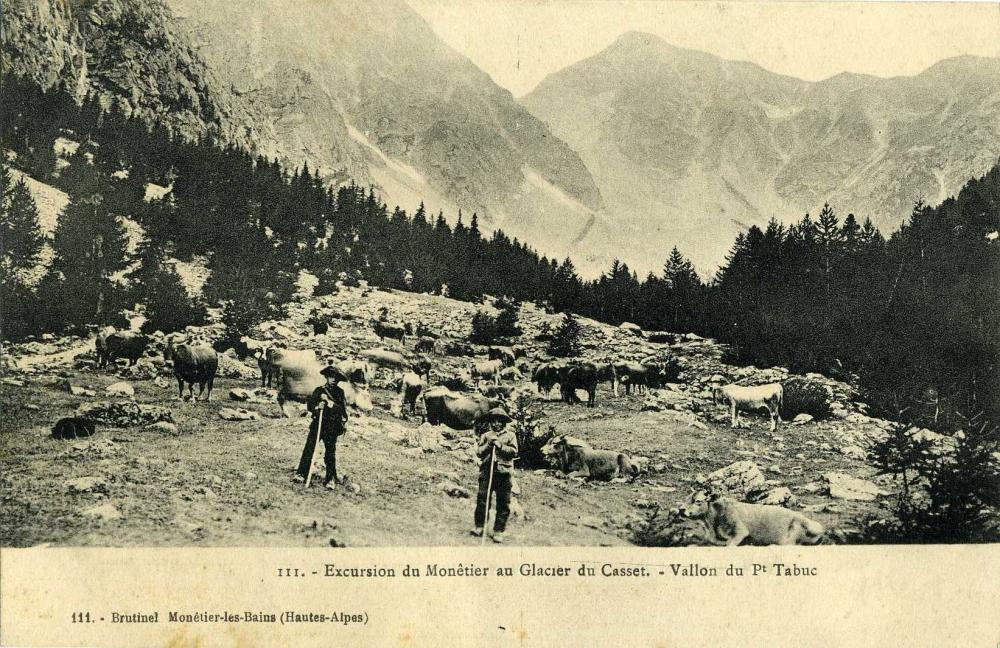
<point x="565" y="341"/>
<point x="20" y="233"/>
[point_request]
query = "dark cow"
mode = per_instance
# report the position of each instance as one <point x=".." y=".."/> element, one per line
<point x="422" y="367"/>
<point x="193" y="364"/>
<point x="424" y="345"/>
<point x="503" y="354"/>
<point x="546" y="376"/>
<point x="410" y="387"/>
<point x="578" y="376"/>
<point x="457" y="411"/>
<point x="111" y="345"/>
<point x="459" y="349"/>
<point x="519" y="351"/>
<point x="386" y="330"/>
<point x="606" y="373"/>
<point x="635" y="376"/>
<point x="319" y="323"/>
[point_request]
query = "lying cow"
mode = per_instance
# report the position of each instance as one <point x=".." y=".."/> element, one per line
<point x="503" y="354"/>
<point x="386" y="330"/>
<point x="410" y="387"/>
<point x="729" y="522"/>
<point x="457" y="411"/>
<point x="488" y="370"/>
<point x="193" y="363"/>
<point x="739" y="397"/>
<point x="112" y="344"/>
<point x="578" y="459"/>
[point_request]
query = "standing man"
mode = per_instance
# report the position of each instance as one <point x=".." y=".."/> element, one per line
<point x="497" y="449"/>
<point x="329" y="400"/>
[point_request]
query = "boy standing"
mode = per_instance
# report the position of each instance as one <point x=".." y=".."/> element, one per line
<point x="497" y="449"/>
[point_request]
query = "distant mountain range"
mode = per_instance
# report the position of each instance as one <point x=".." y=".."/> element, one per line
<point x="688" y="148"/>
<point x="625" y="154"/>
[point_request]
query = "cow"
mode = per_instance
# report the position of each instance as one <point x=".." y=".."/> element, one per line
<point x="300" y="375"/>
<point x="425" y="345"/>
<point x="578" y="376"/>
<point x="731" y="523"/>
<point x="459" y="349"/>
<point x="193" y="363"/>
<point x="410" y="387"/>
<point x="512" y="374"/>
<point x="320" y="324"/>
<point x="385" y="330"/>
<point x="503" y="354"/>
<point x="386" y="359"/>
<point x="358" y="372"/>
<point x="112" y="344"/>
<point x="421" y="366"/>
<point x="457" y="411"/>
<point x="739" y="397"/>
<point x="606" y="373"/>
<point x="635" y="376"/>
<point x="487" y="370"/>
<point x="425" y="331"/>
<point x="577" y="458"/>
<point x="546" y="376"/>
<point x="520" y="351"/>
<point x="497" y="391"/>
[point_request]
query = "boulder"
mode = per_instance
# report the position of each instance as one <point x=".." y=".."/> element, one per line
<point x="163" y="427"/>
<point x="843" y="486"/>
<point x="120" y="390"/>
<point x="88" y="485"/>
<point x="241" y="395"/>
<point x="106" y="511"/>
<point x="802" y="419"/>
<point x="455" y="490"/>
<point x="77" y="390"/>
<point x="237" y="414"/>
<point x="780" y="496"/>
<point x="124" y="413"/>
<point x="739" y="479"/>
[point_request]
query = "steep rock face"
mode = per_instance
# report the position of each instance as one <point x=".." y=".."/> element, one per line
<point x="688" y="148"/>
<point x="367" y="90"/>
<point x="131" y="54"/>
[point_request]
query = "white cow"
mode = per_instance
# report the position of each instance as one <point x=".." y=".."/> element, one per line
<point x="754" y="398"/>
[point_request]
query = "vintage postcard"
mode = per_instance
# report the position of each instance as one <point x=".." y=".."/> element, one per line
<point x="508" y="322"/>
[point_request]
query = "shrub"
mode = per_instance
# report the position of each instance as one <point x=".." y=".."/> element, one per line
<point x="802" y="396"/>
<point x="949" y="485"/>
<point x="168" y="306"/>
<point x="506" y="321"/>
<point x="239" y="317"/>
<point x="484" y="328"/>
<point x="565" y="342"/>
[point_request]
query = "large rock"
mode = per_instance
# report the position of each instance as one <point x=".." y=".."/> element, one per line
<point x="124" y="413"/>
<point x="843" y="486"/>
<point x="163" y="427"/>
<point x="106" y="511"/>
<point x="237" y="414"/>
<point x="120" y="390"/>
<point x="88" y="485"/>
<point x="740" y="479"/>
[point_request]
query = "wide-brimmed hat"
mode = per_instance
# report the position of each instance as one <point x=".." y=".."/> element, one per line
<point x="497" y="414"/>
<point x="333" y="372"/>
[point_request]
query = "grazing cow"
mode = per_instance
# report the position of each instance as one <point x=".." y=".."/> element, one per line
<point x="635" y="376"/>
<point x="577" y="459"/>
<point x="749" y="399"/>
<point x="729" y="522"/>
<point x="503" y="354"/>
<point x="546" y="376"/>
<point x="578" y="376"/>
<point x="112" y="344"/>
<point x="422" y="367"/>
<point x="193" y="363"/>
<point x="410" y="387"/>
<point x="425" y="331"/>
<point x="300" y="375"/>
<point x="457" y="411"/>
<point x="386" y="359"/>
<point x="459" y="349"/>
<point x="386" y="330"/>
<point x="73" y="427"/>
<point x="606" y="373"/>
<point x="358" y="372"/>
<point x="520" y="351"/>
<point x="425" y="345"/>
<point x="487" y="370"/>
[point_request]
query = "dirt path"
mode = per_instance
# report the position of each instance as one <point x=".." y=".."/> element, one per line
<point x="55" y="359"/>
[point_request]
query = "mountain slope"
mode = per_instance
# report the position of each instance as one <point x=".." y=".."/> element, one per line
<point x="688" y="148"/>
<point x="368" y="91"/>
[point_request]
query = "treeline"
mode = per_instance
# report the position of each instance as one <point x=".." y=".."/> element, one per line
<point x="914" y="318"/>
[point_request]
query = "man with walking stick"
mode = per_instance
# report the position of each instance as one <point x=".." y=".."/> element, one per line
<point x="328" y="405"/>
<point x="497" y="448"/>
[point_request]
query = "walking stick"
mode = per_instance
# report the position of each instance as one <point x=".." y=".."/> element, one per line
<point x="312" y="459"/>
<point x="489" y="494"/>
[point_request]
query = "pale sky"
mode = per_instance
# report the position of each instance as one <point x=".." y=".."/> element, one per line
<point x="520" y="42"/>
